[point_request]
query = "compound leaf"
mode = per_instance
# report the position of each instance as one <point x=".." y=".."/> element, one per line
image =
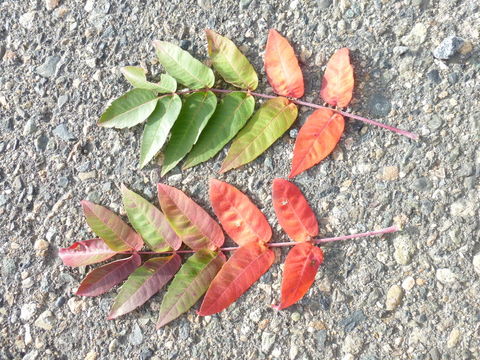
<point x="240" y="218"/>
<point x="86" y="252"/>
<point x="230" y="116"/>
<point x="264" y="128"/>
<point x="108" y="226"/>
<point x="189" y="284"/>
<point x="102" y="279"/>
<point x="158" y="126"/>
<point x="183" y="66"/>
<point x="192" y="224"/>
<point x="145" y="282"/>
<point x="281" y="66"/>
<point x="130" y="109"/>
<point x="149" y="222"/>
<point x="337" y="83"/>
<point x="231" y="64"/>
<point x="244" y="267"/>
<point x="196" y="111"/>
<point x="137" y="77"/>
<point x="293" y="212"/>
<point x="316" y="139"/>
<point x="299" y="272"/>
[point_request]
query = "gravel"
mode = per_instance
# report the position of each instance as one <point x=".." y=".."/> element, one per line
<point x="410" y="295"/>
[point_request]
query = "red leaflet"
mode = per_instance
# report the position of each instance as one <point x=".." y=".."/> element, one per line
<point x="193" y="224"/>
<point x="281" y="66"/>
<point x="85" y="252"/>
<point x="245" y="267"/>
<point x="299" y="272"/>
<point x="337" y="83"/>
<point x="316" y="139"/>
<point x="105" y="277"/>
<point x="293" y="212"/>
<point x="240" y="218"/>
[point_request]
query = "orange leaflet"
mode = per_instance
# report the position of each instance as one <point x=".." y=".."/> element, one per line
<point x="299" y="272"/>
<point x="316" y="139"/>
<point x="337" y="83"/>
<point x="245" y="267"/>
<point x="293" y="212"/>
<point x="240" y="218"/>
<point x="281" y="66"/>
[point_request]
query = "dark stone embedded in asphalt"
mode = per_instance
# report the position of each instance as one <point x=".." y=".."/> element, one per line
<point x="350" y="322"/>
<point x="379" y="105"/>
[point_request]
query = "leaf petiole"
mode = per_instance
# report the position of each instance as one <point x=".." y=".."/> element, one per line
<point x="388" y="230"/>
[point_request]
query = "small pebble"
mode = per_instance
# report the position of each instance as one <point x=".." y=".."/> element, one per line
<point x="408" y="283"/>
<point x="445" y="276"/>
<point x="394" y="297"/>
<point x="476" y="263"/>
<point x="45" y="320"/>
<point x="51" y="4"/>
<point x="454" y="338"/>
<point x="390" y="173"/>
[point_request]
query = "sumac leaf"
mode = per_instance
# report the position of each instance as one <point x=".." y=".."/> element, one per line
<point x="230" y="116"/>
<point x="316" y="139"/>
<point x="189" y="284"/>
<point x="264" y="128"/>
<point x="102" y="279"/>
<point x="244" y="267"/>
<point x="299" y="272"/>
<point x="281" y="66"/>
<point x="130" y="109"/>
<point x="192" y="224"/>
<point x="137" y="77"/>
<point x="230" y="63"/>
<point x="158" y="126"/>
<point x="183" y="66"/>
<point x="293" y="212"/>
<point x="240" y="218"/>
<point x="196" y="111"/>
<point x="145" y="282"/>
<point x="86" y="252"/>
<point x="108" y="226"/>
<point x="149" y="222"/>
<point x="337" y="83"/>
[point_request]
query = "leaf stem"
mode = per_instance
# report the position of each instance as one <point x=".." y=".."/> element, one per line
<point x="311" y="105"/>
<point x="288" y="243"/>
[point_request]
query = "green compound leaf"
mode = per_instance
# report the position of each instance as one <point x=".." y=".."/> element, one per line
<point x="183" y="66"/>
<point x="145" y="282"/>
<point x="191" y="282"/>
<point x="130" y="109"/>
<point x="158" y="126"/>
<point x="137" y="77"/>
<point x="194" y="225"/>
<point x="196" y="111"/>
<point x="267" y="125"/>
<point x="231" y="64"/>
<point x="114" y="231"/>
<point x="230" y="116"/>
<point x="149" y="222"/>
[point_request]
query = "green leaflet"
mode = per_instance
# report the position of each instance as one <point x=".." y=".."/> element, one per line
<point x="190" y="283"/>
<point x="230" y="62"/>
<point x="158" y="126"/>
<point x="149" y="222"/>
<point x="145" y="282"/>
<point x="183" y="66"/>
<point x="129" y="109"/>
<point x="196" y="111"/>
<point x="110" y="228"/>
<point x="230" y="116"/>
<point x="267" y="125"/>
<point x="137" y="77"/>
